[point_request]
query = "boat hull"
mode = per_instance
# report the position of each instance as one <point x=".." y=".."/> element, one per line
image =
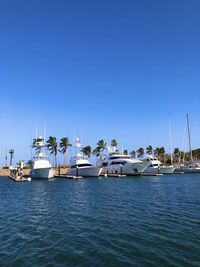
<point x="162" y="170"/>
<point x="42" y="173"/>
<point x="188" y="170"/>
<point x="85" y="171"/>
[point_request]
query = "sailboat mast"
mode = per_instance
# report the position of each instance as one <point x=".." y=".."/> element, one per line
<point x="170" y="140"/>
<point x="189" y="138"/>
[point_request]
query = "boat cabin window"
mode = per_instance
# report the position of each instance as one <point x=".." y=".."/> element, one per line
<point x="118" y="162"/>
<point x="81" y="165"/>
<point x="120" y="157"/>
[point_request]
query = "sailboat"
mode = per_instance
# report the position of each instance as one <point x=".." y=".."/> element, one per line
<point x="192" y="167"/>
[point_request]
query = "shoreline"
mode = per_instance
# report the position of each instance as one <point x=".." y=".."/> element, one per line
<point x="26" y="172"/>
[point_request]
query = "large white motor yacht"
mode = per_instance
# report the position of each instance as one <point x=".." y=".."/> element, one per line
<point x="41" y="166"/>
<point x="155" y="166"/>
<point x="80" y="165"/>
<point x="119" y="163"/>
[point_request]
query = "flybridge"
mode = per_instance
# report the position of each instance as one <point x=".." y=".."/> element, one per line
<point x="39" y="142"/>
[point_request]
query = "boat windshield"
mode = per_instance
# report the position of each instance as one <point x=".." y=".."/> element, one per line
<point x="118" y="162"/>
<point x="81" y="165"/>
<point x="120" y="157"/>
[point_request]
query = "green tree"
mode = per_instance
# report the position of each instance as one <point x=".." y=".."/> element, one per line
<point x="156" y="152"/>
<point x="196" y="154"/>
<point x="64" y="144"/>
<point x="162" y="154"/>
<point x="101" y="145"/>
<point x="87" y="151"/>
<point x="159" y="152"/>
<point x="34" y="144"/>
<point x="177" y="154"/>
<point x="125" y="152"/>
<point x="52" y="145"/>
<point x="133" y="154"/>
<point x="29" y="164"/>
<point x="140" y="152"/>
<point x="149" y="150"/>
<point x="114" y="143"/>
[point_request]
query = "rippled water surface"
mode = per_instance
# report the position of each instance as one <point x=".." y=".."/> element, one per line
<point x="143" y="221"/>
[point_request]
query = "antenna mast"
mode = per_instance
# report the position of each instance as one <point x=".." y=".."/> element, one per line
<point x="36" y="131"/>
<point x="44" y="133"/>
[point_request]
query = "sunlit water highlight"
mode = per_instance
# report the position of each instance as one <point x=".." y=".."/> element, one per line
<point x="142" y="221"/>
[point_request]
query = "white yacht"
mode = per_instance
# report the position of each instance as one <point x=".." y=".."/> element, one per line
<point x="80" y="165"/>
<point x="155" y="166"/>
<point x="119" y="163"/>
<point x="41" y="167"/>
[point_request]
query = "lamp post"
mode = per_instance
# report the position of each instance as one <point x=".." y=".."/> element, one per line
<point x="6" y="157"/>
<point x="11" y="152"/>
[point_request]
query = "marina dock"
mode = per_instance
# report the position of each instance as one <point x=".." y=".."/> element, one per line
<point x="113" y="175"/>
<point x="68" y="176"/>
<point x="151" y="174"/>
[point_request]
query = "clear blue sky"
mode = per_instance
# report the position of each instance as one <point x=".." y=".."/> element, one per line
<point x="99" y="69"/>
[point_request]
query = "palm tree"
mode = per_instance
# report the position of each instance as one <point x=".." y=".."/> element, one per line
<point x="149" y="150"/>
<point x="140" y="152"/>
<point x="125" y="152"/>
<point x="114" y="143"/>
<point x="156" y="152"/>
<point x="101" y="145"/>
<point x="159" y="152"/>
<point x="133" y="154"/>
<point x="87" y="151"/>
<point x="162" y="154"/>
<point x="53" y="147"/>
<point x="177" y="154"/>
<point x="29" y="164"/>
<point x="34" y="145"/>
<point x="64" y="144"/>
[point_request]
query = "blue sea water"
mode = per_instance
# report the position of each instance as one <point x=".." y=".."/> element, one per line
<point x="130" y="221"/>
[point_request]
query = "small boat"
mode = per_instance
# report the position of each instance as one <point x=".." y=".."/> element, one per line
<point x="41" y="167"/>
<point x="80" y="165"/>
<point x="156" y="167"/>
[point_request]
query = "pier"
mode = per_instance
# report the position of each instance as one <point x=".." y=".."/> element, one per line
<point x="151" y="174"/>
<point x="68" y="176"/>
<point x="112" y="175"/>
